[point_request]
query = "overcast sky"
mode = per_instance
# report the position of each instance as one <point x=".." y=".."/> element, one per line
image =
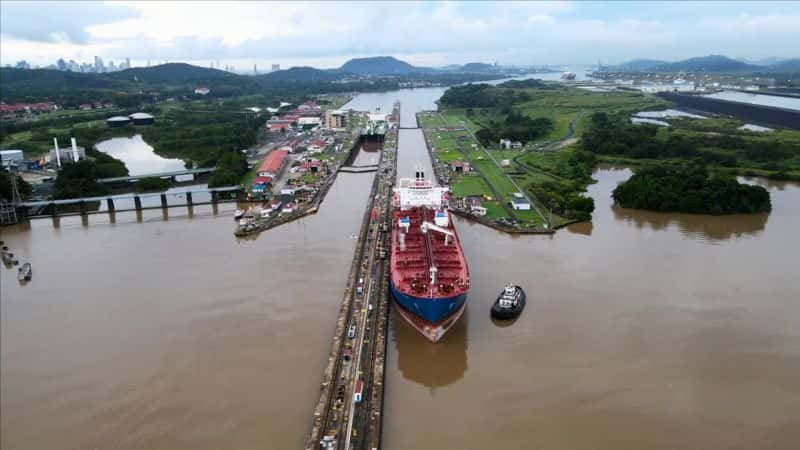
<point x="326" y="34"/>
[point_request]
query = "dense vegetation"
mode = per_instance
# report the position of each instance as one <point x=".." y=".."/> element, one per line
<point x="142" y="85"/>
<point x="78" y="180"/>
<point x="481" y="96"/>
<point x="563" y="192"/>
<point x="230" y="168"/>
<point x="152" y="184"/>
<point x="202" y="135"/>
<point x="516" y="127"/>
<point x="690" y="189"/>
<point x="6" y="190"/>
<point x="615" y="136"/>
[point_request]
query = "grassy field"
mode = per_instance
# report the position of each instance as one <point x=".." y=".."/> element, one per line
<point x="451" y="136"/>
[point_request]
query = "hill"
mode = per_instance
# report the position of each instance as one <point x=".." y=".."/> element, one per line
<point x="711" y="63"/>
<point x="788" y="65"/>
<point x="381" y="65"/>
<point x="19" y="84"/>
<point x="301" y="74"/>
<point x="477" y="67"/>
<point x="638" y="65"/>
<point x="171" y="73"/>
<point x="119" y="87"/>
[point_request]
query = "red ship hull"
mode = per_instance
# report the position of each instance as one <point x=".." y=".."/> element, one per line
<point x="429" y="272"/>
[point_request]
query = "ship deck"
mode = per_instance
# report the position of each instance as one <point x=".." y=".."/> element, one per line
<point x="411" y="262"/>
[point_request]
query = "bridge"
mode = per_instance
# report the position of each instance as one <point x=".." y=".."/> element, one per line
<point x="85" y="206"/>
<point x="359" y="169"/>
<point x="173" y="174"/>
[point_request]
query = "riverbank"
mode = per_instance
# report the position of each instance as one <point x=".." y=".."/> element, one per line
<point x="278" y="216"/>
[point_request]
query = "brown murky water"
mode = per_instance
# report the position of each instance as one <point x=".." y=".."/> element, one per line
<point x="172" y="335"/>
<point x="642" y="330"/>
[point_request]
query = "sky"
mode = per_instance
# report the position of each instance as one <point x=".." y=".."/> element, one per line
<point x="326" y="34"/>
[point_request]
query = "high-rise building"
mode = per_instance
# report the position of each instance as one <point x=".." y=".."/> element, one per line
<point x="127" y="63"/>
<point x="98" y="64"/>
<point x="255" y="69"/>
<point x="276" y="67"/>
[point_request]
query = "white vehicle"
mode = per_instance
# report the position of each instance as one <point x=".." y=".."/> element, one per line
<point x="351" y="332"/>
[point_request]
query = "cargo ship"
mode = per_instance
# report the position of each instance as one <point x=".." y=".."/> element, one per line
<point x="429" y="274"/>
<point x="375" y="129"/>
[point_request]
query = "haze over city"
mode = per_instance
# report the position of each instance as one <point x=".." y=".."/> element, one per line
<point x="324" y="34"/>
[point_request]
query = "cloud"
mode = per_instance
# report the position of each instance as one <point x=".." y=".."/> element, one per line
<point x="57" y="21"/>
<point x="423" y="32"/>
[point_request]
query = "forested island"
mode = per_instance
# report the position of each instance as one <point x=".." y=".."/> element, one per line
<point x="690" y="189"/>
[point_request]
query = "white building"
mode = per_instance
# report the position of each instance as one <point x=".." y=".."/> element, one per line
<point x="11" y="157"/>
<point x="478" y="210"/>
<point x="508" y="144"/>
<point x="519" y="202"/>
<point x="656" y="88"/>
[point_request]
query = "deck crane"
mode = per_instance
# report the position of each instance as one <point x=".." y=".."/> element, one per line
<point x="447" y="235"/>
<point x="429" y="226"/>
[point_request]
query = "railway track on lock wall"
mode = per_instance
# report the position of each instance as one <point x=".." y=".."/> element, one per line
<point x="339" y="421"/>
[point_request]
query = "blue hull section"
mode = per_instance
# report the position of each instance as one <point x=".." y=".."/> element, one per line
<point x="428" y="309"/>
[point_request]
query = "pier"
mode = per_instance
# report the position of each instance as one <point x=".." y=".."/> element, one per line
<point x="349" y="411"/>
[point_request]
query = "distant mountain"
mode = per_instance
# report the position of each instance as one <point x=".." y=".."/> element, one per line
<point x="477" y="67"/>
<point x="302" y="74"/>
<point x="382" y="65"/>
<point x="711" y="63"/>
<point x="638" y="65"/>
<point x="763" y="61"/>
<point x="788" y="65"/>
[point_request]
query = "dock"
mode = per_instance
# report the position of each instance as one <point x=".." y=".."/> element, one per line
<point x="348" y="414"/>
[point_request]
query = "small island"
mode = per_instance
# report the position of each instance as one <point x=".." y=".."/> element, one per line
<point x="690" y="189"/>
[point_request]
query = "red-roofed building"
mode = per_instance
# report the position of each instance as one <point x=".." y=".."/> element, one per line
<point x="278" y="125"/>
<point x="274" y="164"/>
<point x="312" y="165"/>
<point x="317" y="145"/>
<point x="262" y="180"/>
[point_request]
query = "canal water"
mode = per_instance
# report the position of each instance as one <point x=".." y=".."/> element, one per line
<point x="138" y="156"/>
<point x="642" y="330"/>
<point x="172" y="334"/>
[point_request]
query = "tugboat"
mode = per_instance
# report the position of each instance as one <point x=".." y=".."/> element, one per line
<point x="8" y="257"/>
<point x="509" y="303"/>
<point x="25" y="272"/>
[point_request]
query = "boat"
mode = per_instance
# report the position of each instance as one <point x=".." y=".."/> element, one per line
<point x="509" y="303"/>
<point x="25" y="272"/>
<point x="429" y="274"/>
<point x="7" y="257"/>
<point x="238" y="214"/>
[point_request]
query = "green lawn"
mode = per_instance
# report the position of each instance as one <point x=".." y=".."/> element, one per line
<point x="469" y="184"/>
